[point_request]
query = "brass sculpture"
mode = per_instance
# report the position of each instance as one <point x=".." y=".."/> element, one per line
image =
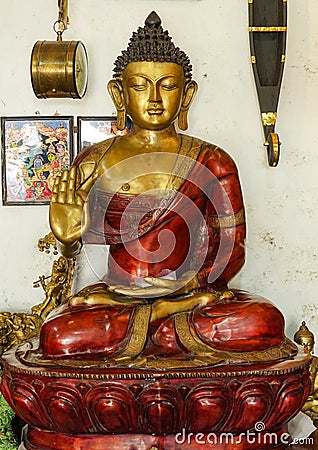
<point x="16" y="327"/>
<point x="139" y="355"/>
<point x="306" y="338"/>
<point x="57" y="288"/>
<point x="130" y="191"/>
<point x="153" y="84"/>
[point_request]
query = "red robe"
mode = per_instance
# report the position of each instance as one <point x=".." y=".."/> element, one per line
<point x="209" y="194"/>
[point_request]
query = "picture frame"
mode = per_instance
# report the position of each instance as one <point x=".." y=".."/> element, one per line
<point x="35" y="150"/>
<point x="91" y="130"/>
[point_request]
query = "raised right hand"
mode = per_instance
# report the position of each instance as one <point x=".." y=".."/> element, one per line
<point x="69" y="217"/>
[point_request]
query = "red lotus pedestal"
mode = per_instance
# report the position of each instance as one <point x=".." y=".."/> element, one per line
<point x="226" y="407"/>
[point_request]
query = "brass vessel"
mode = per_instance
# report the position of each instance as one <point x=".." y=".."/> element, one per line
<point x="59" y="69"/>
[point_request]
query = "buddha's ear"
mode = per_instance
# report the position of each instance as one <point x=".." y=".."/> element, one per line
<point x="115" y="90"/>
<point x="189" y="93"/>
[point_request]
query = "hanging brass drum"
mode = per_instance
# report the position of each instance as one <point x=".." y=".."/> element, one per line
<point x="59" y="69"/>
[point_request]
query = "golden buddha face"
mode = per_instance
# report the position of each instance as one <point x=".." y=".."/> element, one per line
<point x="308" y="344"/>
<point x="152" y="93"/>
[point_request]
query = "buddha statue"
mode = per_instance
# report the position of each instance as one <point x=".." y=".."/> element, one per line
<point x="160" y="345"/>
<point x="170" y="208"/>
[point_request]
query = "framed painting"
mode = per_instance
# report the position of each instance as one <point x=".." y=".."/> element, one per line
<point x="34" y="151"/>
<point x="91" y="130"/>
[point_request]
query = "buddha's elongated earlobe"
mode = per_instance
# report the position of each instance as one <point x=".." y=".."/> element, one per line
<point x="183" y="119"/>
<point x="188" y="96"/>
<point x="121" y="119"/>
<point x="115" y="90"/>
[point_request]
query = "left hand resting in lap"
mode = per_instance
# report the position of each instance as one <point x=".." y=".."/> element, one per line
<point x="160" y="286"/>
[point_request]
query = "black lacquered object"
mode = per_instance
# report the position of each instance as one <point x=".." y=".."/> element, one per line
<point x="267" y="35"/>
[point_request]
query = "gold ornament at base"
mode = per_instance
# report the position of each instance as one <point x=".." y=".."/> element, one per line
<point x="16" y="327"/>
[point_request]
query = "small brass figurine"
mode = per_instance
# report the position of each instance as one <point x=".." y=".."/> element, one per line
<point x="57" y="288"/>
<point x="17" y="327"/>
<point x="160" y="343"/>
<point x="306" y="338"/>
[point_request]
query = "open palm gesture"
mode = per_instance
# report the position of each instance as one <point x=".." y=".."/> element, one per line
<point x="69" y="217"/>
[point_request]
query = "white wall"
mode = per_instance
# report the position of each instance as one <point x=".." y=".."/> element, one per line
<point x="282" y="202"/>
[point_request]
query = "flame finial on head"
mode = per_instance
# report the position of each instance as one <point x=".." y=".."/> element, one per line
<point x="152" y="43"/>
<point x="153" y="20"/>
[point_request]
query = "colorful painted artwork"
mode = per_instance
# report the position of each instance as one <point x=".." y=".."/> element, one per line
<point x="34" y="151"/>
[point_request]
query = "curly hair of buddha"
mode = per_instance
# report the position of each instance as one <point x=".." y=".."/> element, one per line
<point x="152" y="43"/>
